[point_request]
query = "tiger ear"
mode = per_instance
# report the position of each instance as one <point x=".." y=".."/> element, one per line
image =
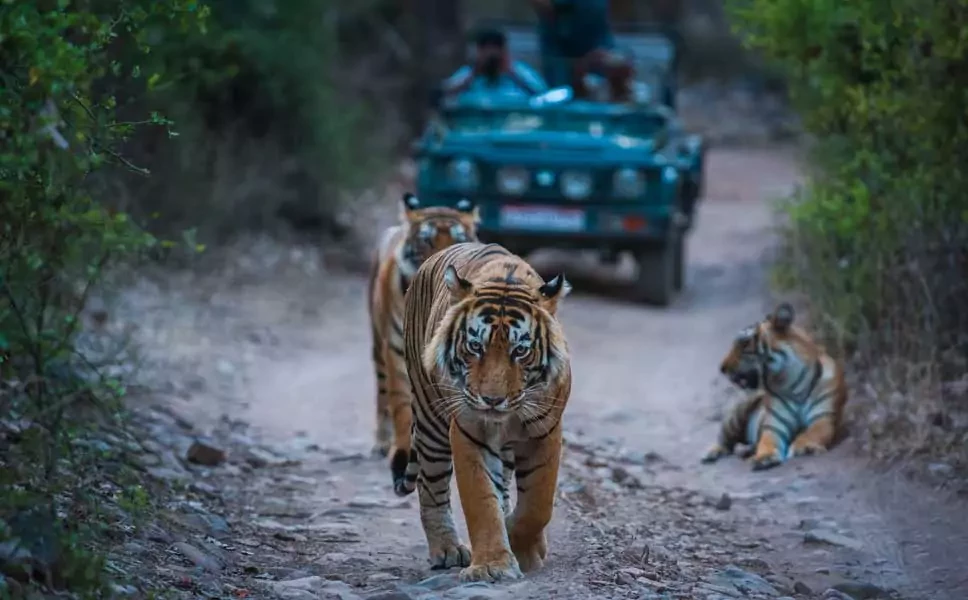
<point x="782" y="317"/>
<point x="459" y="287"/>
<point x="410" y="204"/>
<point x="554" y="291"/>
<point x="466" y="206"/>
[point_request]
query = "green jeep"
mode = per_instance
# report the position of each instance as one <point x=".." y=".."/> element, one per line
<point x="553" y="171"/>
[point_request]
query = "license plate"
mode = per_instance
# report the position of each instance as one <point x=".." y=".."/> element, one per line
<point x="544" y="218"/>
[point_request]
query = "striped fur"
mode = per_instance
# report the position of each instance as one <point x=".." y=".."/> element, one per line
<point x="490" y="376"/>
<point x="401" y="251"/>
<point x="797" y="393"/>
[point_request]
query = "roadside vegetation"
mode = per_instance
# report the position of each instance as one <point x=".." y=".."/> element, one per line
<point x="133" y="131"/>
<point x="876" y="242"/>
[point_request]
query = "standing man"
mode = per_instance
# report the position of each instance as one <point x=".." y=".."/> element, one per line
<point x="494" y="70"/>
<point x="576" y="39"/>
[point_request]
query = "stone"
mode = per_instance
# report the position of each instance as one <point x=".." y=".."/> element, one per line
<point x="724" y="502"/>
<point x="833" y="594"/>
<point x="825" y="536"/>
<point x="744" y="581"/>
<point x="441" y="581"/>
<point x="860" y="590"/>
<point x="205" y="453"/>
<point x="801" y="588"/>
<point x="394" y="595"/>
<point x="198" y="557"/>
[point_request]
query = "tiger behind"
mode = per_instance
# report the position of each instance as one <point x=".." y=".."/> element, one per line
<point x="491" y="375"/>
<point x="401" y="251"/>
<point x="797" y="393"/>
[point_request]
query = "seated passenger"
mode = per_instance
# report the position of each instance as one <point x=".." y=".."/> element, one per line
<point x="609" y="71"/>
<point x="494" y="71"/>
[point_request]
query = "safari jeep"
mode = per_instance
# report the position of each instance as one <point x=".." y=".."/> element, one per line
<point x="554" y="171"/>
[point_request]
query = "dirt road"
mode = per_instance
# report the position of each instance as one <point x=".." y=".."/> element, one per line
<point x="313" y="516"/>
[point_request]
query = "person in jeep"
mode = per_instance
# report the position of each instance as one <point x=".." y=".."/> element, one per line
<point x="577" y="42"/>
<point x="494" y="70"/>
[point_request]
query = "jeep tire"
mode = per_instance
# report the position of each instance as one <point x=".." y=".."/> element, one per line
<point x="655" y="282"/>
<point x="679" y="275"/>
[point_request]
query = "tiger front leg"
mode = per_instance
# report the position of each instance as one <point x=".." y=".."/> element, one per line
<point x="769" y="448"/>
<point x="474" y="464"/>
<point x="536" y="473"/>
<point x="400" y="412"/>
<point x="816" y="438"/>
<point x="433" y="489"/>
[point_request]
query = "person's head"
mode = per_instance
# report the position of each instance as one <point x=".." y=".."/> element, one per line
<point x="491" y="50"/>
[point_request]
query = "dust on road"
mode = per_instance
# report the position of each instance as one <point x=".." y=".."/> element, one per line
<point x="638" y="515"/>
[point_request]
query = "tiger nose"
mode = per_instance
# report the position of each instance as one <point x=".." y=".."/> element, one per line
<point x="492" y="400"/>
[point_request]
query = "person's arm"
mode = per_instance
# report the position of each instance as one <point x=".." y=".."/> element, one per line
<point x="459" y="81"/>
<point x="528" y="78"/>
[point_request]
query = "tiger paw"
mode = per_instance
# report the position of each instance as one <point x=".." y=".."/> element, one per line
<point x="502" y="568"/>
<point x="530" y="556"/>
<point x="806" y="448"/>
<point x="761" y="462"/>
<point x="450" y="555"/>
<point x="714" y="454"/>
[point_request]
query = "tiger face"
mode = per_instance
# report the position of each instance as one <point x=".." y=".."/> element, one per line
<point x="755" y="348"/>
<point x="431" y="229"/>
<point x="499" y="346"/>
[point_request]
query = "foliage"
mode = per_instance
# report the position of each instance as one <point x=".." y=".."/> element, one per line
<point x="266" y="125"/>
<point x="60" y="127"/>
<point x="879" y="241"/>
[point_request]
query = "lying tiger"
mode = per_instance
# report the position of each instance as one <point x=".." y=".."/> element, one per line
<point x="402" y="249"/>
<point x="797" y="398"/>
<point x="491" y="375"/>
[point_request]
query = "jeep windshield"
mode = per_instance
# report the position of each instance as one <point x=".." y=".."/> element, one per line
<point x="638" y="125"/>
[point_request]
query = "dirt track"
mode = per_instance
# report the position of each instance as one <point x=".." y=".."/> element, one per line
<point x="638" y="517"/>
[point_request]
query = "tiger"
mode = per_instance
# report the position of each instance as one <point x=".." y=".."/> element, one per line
<point x="797" y="393"/>
<point x="400" y="252"/>
<point x="490" y="374"/>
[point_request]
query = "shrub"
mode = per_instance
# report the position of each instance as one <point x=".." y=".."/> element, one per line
<point x="60" y="127"/>
<point x="878" y="241"/>
<point x="270" y="127"/>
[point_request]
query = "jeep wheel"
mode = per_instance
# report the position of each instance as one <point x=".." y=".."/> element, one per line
<point x="679" y="277"/>
<point x="655" y="281"/>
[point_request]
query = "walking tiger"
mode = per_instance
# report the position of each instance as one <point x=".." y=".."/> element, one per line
<point x="402" y="249"/>
<point x="491" y="375"/>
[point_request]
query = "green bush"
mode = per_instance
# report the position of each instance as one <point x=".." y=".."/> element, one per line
<point x="878" y="241"/>
<point x="269" y="127"/>
<point x="63" y="123"/>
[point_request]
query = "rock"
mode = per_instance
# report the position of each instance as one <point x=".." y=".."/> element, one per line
<point x="259" y="458"/>
<point x="169" y="475"/>
<point x="833" y="594"/>
<point x="801" y="588"/>
<point x="205" y="453"/>
<point x="724" y="502"/>
<point x="941" y="470"/>
<point x="394" y="595"/>
<point x="381" y="577"/>
<point x="860" y="590"/>
<point x="198" y="557"/>
<point x="825" y="536"/>
<point x="744" y="581"/>
<point x="437" y="582"/>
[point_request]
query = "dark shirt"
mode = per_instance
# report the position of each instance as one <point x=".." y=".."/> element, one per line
<point x="577" y="28"/>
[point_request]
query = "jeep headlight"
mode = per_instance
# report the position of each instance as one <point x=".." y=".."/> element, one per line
<point x="463" y="174"/>
<point x="576" y="185"/>
<point x="513" y="181"/>
<point x="670" y="174"/>
<point x="628" y="183"/>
